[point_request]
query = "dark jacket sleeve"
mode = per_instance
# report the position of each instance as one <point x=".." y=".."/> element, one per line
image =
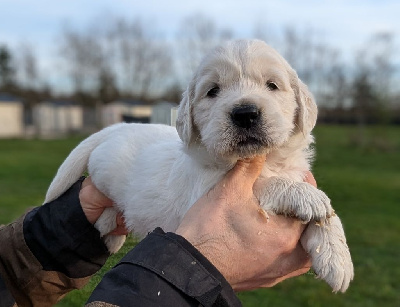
<point x="163" y="270"/>
<point x="50" y="251"/>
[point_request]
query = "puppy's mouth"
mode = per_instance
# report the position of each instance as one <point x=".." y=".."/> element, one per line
<point x="250" y="146"/>
<point x="250" y="141"/>
<point x="247" y="131"/>
<point x="240" y="144"/>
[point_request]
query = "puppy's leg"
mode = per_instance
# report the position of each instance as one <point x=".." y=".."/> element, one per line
<point x="106" y="223"/>
<point x="331" y="260"/>
<point x="324" y="237"/>
<point x="296" y="199"/>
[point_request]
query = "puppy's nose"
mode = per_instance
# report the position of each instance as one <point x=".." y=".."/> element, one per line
<point x="245" y="116"/>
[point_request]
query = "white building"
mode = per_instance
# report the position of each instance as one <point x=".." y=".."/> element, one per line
<point x="54" y="117"/>
<point x="125" y="110"/>
<point x="162" y="113"/>
<point x="11" y="116"/>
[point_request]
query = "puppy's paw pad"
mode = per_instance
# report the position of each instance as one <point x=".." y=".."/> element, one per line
<point x="114" y="243"/>
<point x="107" y="221"/>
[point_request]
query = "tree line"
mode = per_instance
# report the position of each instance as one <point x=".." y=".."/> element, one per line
<point x="132" y="58"/>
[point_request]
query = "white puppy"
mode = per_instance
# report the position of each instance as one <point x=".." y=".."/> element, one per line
<point x="243" y="100"/>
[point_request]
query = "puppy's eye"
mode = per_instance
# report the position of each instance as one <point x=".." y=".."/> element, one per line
<point x="213" y="92"/>
<point x="272" y="86"/>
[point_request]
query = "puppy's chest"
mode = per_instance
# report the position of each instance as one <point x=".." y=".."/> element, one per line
<point x="288" y="163"/>
<point x="290" y="171"/>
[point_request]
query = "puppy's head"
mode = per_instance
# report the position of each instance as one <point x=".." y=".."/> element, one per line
<point x="244" y="100"/>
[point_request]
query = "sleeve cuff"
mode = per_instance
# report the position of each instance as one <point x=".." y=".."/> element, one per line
<point x="174" y="259"/>
<point x="62" y="239"/>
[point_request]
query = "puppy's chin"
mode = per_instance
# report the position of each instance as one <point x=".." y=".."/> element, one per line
<point x="231" y="145"/>
<point x="243" y="149"/>
<point x="250" y="149"/>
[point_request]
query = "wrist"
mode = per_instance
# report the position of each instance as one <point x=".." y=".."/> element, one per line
<point x="84" y="199"/>
<point x="213" y="249"/>
<point x="81" y="253"/>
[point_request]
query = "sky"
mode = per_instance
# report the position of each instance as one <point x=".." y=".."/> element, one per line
<point x="345" y="24"/>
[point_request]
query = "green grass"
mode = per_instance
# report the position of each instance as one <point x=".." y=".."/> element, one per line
<point x="79" y="297"/>
<point x="26" y="170"/>
<point x="358" y="169"/>
<point x="362" y="178"/>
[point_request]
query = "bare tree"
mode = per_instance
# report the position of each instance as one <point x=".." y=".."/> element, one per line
<point x="154" y="65"/>
<point x="317" y="63"/>
<point x="264" y="32"/>
<point x="28" y="69"/>
<point x="301" y="49"/>
<point x="121" y="38"/>
<point x="7" y="69"/>
<point x="107" y="89"/>
<point x="382" y="52"/>
<point x="196" y="36"/>
<point x="82" y="54"/>
<point x="374" y="70"/>
<point x="129" y="54"/>
<point x="337" y="84"/>
<point x="143" y="57"/>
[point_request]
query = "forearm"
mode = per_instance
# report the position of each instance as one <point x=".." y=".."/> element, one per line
<point x="164" y="270"/>
<point x="50" y="251"/>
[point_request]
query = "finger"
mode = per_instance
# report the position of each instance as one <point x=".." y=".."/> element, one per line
<point x="290" y="230"/>
<point x="121" y="227"/>
<point x="245" y="173"/>
<point x="90" y="193"/>
<point x="87" y="181"/>
<point x="119" y="231"/>
<point x="298" y="260"/>
<point x="309" y="178"/>
<point x="295" y="273"/>
<point x="120" y="219"/>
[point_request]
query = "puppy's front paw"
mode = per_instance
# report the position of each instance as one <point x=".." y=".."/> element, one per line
<point x="105" y="224"/>
<point x="114" y="243"/>
<point x="297" y="199"/>
<point x="331" y="259"/>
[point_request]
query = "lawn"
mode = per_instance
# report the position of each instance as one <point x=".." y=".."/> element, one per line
<point x="358" y="169"/>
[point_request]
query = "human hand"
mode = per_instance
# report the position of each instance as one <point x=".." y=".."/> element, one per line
<point x="228" y="227"/>
<point x="94" y="202"/>
<point x="309" y="178"/>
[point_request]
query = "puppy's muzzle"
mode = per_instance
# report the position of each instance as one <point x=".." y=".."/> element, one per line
<point x="245" y="116"/>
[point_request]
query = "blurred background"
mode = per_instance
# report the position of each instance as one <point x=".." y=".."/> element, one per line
<point x="69" y="68"/>
<point x="78" y="57"/>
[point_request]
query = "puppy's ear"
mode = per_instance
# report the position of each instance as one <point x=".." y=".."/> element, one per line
<point x="306" y="107"/>
<point x="184" y="120"/>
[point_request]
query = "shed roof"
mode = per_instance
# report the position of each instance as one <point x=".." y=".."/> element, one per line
<point x="132" y="102"/>
<point x="60" y="103"/>
<point x="9" y="98"/>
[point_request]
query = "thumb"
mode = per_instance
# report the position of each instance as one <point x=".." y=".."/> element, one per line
<point x="245" y="173"/>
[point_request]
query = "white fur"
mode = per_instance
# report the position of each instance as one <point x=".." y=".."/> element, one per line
<point x="154" y="175"/>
